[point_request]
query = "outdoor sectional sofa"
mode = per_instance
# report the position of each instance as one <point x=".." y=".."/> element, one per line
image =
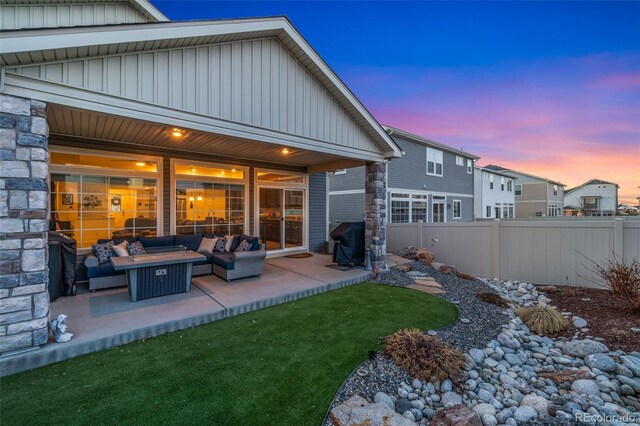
<point x="227" y="265"/>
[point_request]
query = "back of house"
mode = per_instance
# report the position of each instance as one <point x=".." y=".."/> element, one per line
<point x="593" y="198"/>
<point x="431" y="182"/>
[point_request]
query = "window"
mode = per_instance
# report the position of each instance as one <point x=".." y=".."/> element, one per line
<point x="511" y="211"/>
<point x="469" y="166"/>
<point x="459" y="161"/>
<point x="457" y="209"/>
<point x="434" y="162"/>
<point x="490" y="181"/>
<point x="505" y="211"/>
<point x="97" y="196"/>
<point x="209" y="198"/>
<point x="555" y="190"/>
<point x="518" y="189"/>
<point x="488" y="211"/>
<point x="509" y="185"/>
<point x="553" y="210"/>
<point x="408" y="208"/>
<point x="501" y="184"/>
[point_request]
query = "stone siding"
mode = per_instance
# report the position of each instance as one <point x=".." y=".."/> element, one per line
<point x="24" y="204"/>
<point x="375" y="213"/>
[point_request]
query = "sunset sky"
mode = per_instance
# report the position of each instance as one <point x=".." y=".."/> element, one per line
<point x="550" y="88"/>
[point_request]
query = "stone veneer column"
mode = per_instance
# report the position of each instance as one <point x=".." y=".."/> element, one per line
<point x="24" y="205"/>
<point x="376" y="213"/>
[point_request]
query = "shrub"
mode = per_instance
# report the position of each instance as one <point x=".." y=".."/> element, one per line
<point x="620" y="278"/>
<point x="496" y="299"/>
<point x="543" y="320"/>
<point x="464" y="276"/>
<point x="425" y="357"/>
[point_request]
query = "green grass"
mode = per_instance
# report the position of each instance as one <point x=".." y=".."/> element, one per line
<point x="281" y="365"/>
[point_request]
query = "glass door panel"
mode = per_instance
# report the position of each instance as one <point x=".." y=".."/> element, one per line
<point x="438" y="212"/>
<point x="271" y="218"/>
<point x="294" y="218"/>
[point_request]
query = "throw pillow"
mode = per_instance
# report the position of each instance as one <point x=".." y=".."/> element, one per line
<point x="220" y="244"/>
<point x="136" y="249"/>
<point x="121" y="249"/>
<point x="207" y="245"/>
<point x="228" y="243"/>
<point x="103" y="251"/>
<point x="244" y="246"/>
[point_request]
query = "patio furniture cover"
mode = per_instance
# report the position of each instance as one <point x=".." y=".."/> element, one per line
<point x="349" y="244"/>
<point x="62" y="265"/>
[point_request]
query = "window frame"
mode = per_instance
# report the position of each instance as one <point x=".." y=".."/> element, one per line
<point x="459" y="161"/>
<point x="174" y="177"/>
<point x="410" y="198"/>
<point x="79" y="170"/>
<point x="469" y="166"/>
<point x="555" y="190"/>
<point x="453" y="208"/>
<point x="515" y="189"/>
<point x="439" y="155"/>
<point x="489" y="212"/>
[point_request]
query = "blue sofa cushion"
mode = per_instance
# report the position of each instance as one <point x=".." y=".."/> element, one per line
<point x="254" y="241"/>
<point x="191" y="242"/>
<point x="103" y="270"/>
<point x="224" y="260"/>
<point x="206" y="261"/>
<point x="157" y="241"/>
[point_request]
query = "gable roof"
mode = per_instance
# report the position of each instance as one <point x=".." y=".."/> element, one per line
<point x="592" y="182"/>
<point x="495" y="172"/>
<point x="40" y="46"/>
<point x="428" y="142"/>
<point x="494" y="167"/>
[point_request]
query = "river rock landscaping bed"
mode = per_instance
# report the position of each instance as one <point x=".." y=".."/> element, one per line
<point x="511" y="375"/>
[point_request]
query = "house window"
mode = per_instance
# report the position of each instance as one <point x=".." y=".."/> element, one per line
<point x="509" y="185"/>
<point x="459" y="161"/>
<point x="434" y="162"/>
<point x="555" y="190"/>
<point x="457" y="209"/>
<point x="210" y="198"/>
<point x="408" y="208"/>
<point x="469" y="166"/>
<point x="553" y="211"/>
<point x="490" y="181"/>
<point x="97" y="196"/>
<point x="501" y="184"/>
<point x="518" y="189"/>
<point x="511" y="211"/>
<point x="488" y="211"/>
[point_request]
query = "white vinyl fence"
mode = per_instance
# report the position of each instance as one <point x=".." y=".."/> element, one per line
<point x="539" y="251"/>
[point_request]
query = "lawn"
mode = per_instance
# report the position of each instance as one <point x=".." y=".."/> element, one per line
<point x="281" y="365"/>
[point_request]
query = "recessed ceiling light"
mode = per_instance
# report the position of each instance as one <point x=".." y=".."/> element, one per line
<point x="140" y="164"/>
<point x="177" y="133"/>
<point x="233" y="170"/>
<point x="285" y="151"/>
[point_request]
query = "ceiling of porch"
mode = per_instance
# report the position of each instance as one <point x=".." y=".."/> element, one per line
<point x="64" y="121"/>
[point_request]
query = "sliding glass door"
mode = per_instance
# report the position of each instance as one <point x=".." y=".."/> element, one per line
<point x="281" y="217"/>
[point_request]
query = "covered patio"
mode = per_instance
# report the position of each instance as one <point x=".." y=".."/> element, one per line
<point x="173" y="128"/>
<point x="108" y="318"/>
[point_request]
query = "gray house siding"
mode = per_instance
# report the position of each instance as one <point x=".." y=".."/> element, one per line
<point x="353" y="179"/>
<point x="317" y="211"/>
<point x="410" y="171"/>
<point x="346" y="208"/>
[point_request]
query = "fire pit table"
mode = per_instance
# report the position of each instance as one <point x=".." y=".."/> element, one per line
<point x="158" y="272"/>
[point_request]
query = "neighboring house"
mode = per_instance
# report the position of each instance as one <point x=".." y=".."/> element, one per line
<point x="534" y="195"/>
<point x="115" y="121"/>
<point x="593" y="198"/>
<point x="431" y="182"/>
<point x="494" y="194"/>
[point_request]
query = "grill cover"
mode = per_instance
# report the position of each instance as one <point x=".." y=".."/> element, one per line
<point x="349" y="244"/>
<point x="62" y="265"/>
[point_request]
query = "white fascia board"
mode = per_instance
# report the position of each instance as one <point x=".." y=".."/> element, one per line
<point x="150" y="9"/>
<point x="50" y="92"/>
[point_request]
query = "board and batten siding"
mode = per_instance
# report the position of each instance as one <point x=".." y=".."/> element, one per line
<point x="317" y="211"/>
<point x="21" y="16"/>
<point x="256" y="82"/>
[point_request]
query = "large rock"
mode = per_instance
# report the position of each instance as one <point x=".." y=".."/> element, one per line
<point x="482" y="409"/>
<point x="632" y="363"/>
<point x="477" y="355"/>
<point x="602" y="362"/>
<point x="451" y="398"/>
<point x="358" y="411"/>
<point x="524" y="414"/>
<point x="585" y="387"/>
<point x="582" y="348"/>
<point x="385" y="399"/>
<point x="457" y="415"/>
<point x="538" y="403"/>
<point x="424" y="256"/>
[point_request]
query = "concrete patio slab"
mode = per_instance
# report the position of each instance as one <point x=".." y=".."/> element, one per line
<point x="108" y="318"/>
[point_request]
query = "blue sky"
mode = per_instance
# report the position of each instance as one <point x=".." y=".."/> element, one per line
<point x="552" y="88"/>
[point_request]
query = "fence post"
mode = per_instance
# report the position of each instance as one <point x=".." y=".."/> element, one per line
<point x="495" y="249"/>
<point x="420" y="236"/>
<point x="618" y="238"/>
